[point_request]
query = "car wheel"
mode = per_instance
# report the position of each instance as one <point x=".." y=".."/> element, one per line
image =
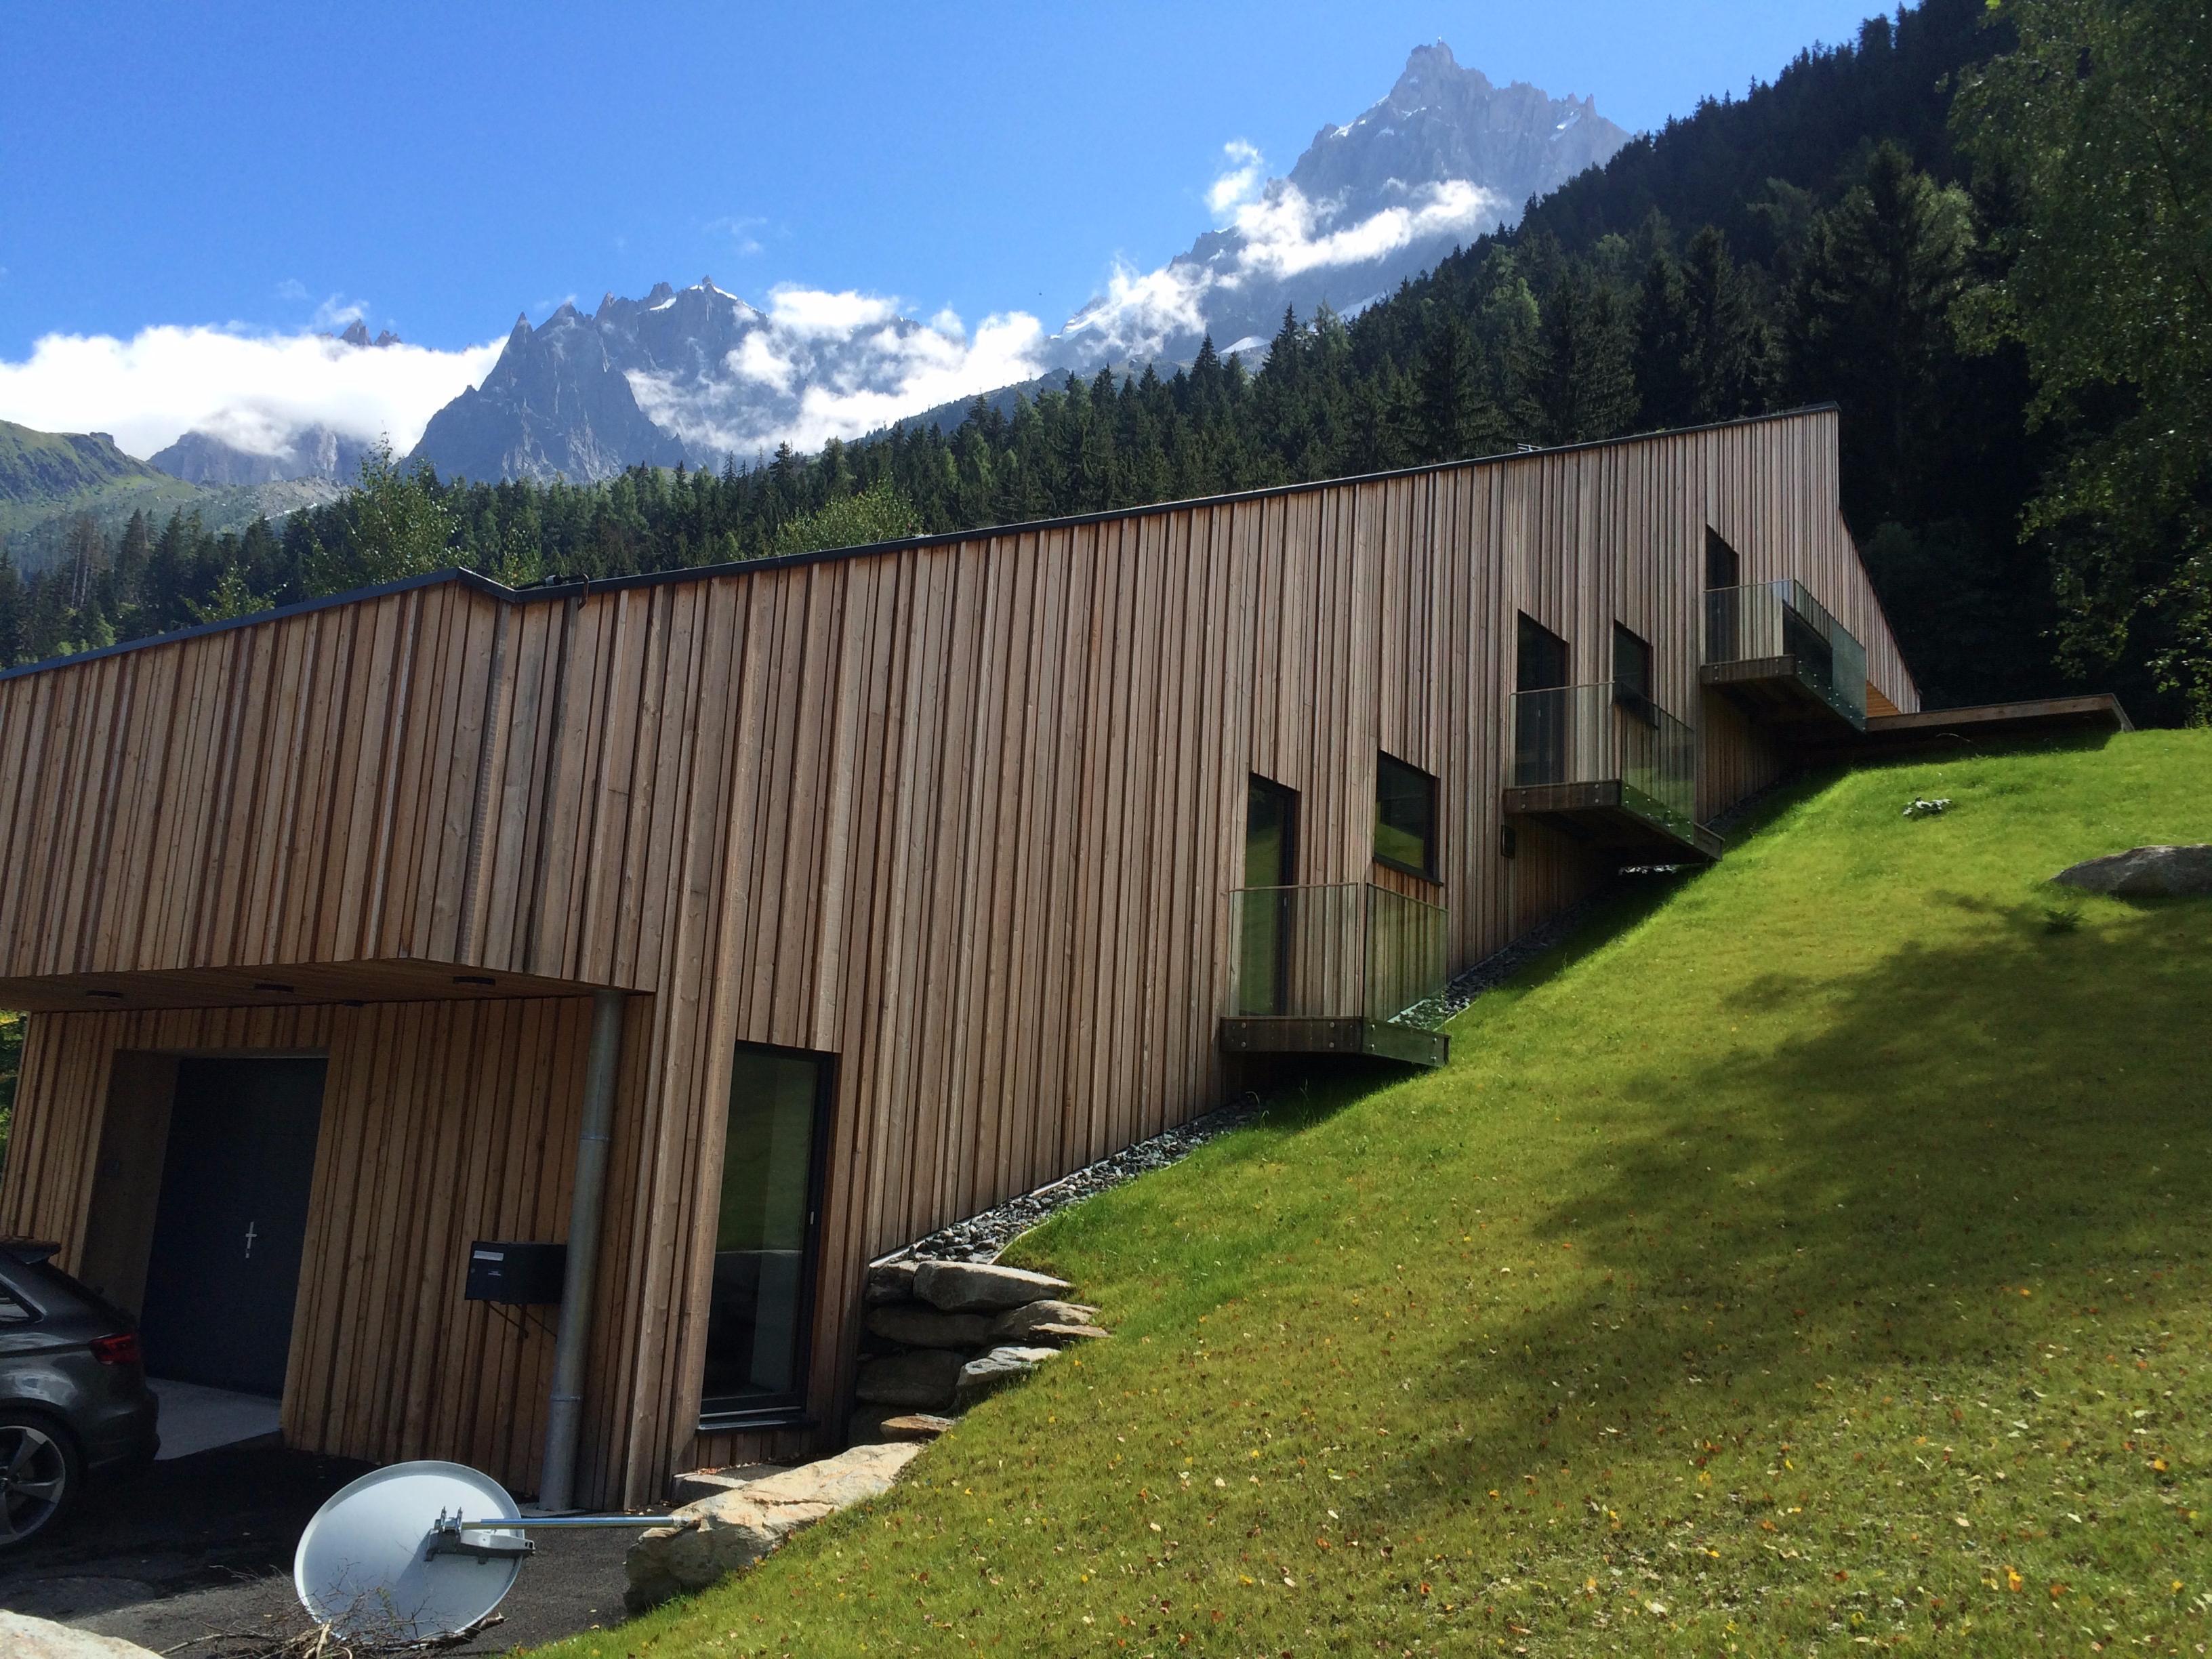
<point x="39" y="1473"/>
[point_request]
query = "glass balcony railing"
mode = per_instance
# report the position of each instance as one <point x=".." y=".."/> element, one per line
<point x="1604" y="734"/>
<point x="1770" y="620"/>
<point x="1351" y="951"/>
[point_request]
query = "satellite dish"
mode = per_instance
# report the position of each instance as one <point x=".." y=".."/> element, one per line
<point x="385" y="1557"/>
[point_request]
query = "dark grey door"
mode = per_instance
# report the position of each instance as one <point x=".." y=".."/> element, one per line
<point x="231" y="1222"/>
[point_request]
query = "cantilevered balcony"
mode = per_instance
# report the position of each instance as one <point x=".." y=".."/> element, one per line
<point x="1341" y="969"/>
<point x="1774" y="649"/>
<point x="1611" y="768"/>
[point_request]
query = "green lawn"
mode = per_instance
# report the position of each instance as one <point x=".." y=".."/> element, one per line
<point x="1817" y="1254"/>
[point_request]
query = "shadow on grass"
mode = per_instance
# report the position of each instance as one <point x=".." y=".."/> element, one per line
<point x="2023" y="1112"/>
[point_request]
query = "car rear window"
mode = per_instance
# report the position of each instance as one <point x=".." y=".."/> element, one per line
<point x="44" y="1282"/>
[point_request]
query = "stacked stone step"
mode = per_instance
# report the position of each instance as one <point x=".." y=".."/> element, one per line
<point x="943" y="1335"/>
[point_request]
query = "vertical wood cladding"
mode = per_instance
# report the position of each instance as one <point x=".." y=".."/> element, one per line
<point x="962" y="813"/>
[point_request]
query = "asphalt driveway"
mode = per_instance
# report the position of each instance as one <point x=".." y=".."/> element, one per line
<point x="201" y="1546"/>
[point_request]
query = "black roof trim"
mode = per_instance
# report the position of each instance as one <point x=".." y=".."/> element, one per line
<point x="582" y="586"/>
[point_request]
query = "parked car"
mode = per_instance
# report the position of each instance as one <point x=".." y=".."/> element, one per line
<point x="73" y="1401"/>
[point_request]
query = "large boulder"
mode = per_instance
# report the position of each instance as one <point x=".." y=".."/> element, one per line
<point x="922" y="1377"/>
<point x="732" y="1530"/>
<point x="2146" y="873"/>
<point x="974" y="1287"/>
<point x="982" y="1378"/>
<point x="911" y="1327"/>
<point x="1018" y="1322"/>
<point x="23" y="1636"/>
<point x="891" y="1281"/>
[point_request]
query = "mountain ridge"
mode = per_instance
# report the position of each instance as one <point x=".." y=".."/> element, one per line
<point x="701" y="377"/>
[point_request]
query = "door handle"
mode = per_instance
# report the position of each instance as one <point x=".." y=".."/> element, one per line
<point x="251" y="1233"/>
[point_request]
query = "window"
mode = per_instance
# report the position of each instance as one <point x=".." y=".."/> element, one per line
<point x="1266" y="918"/>
<point x="760" y="1311"/>
<point x="14" y="1310"/>
<point x="1543" y="658"/>
<point x="1631" y="672"/>
<point x="1723" y="568"/>
<point x="1540" y="722"/>
<point x="1404" y="818"/>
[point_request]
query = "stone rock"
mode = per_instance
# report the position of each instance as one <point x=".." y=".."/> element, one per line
<point x="871" y="1424"/>
<point x="925" y="1378"/>
<point x="982" y="1378"/>
<point x="691" y="1486"/>
<point x="891" y="1281"/>
<point x="922" y="1426"/>
<point x="2146" y="873"/>
<point x="974" y="1287"/>
<point x="1020" y="1322"/>
<point x="912" y="1327"/>
<point x="1068" y="1336"/>
<point x="23" y="1636"/>
<point x="721" y="1534"/>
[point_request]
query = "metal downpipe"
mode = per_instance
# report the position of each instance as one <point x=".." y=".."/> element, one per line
<point x="564" y="1409"/>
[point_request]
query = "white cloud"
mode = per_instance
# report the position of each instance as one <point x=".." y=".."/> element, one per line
<point x="743" y="231"/>
<point x="1286" y="233"/>
<point x="249" y="389"/>
<point x="812" y="313"/>
<point x="757" y="358"/>
<point x="1239" y="181"/>
<point x="1271" y="233"/>
<point x="1142" y="310"/>
<point x="336" y="312"/>
<point x="821" y="365"/>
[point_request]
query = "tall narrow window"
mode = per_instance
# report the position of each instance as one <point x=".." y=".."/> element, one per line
<point x="1723" y="568"/>
<point x="1542" y="713"/>
<point x="1404" y="818"/>
<point x="1631" y="672"/>
<point x="760" y="1314"/>
<point x="1266" y="919"/>
<point x="1543" y="658"/>
<point x="1724" y="620"/>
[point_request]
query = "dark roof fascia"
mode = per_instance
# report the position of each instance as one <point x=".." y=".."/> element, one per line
<point x="328" y="602"/>
<point x="583" y="586"/>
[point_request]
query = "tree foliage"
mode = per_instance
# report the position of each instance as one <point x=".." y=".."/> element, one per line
<point x="2098" y="124"/>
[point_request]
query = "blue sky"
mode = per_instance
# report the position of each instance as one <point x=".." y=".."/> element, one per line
<point x="438" y="167"/>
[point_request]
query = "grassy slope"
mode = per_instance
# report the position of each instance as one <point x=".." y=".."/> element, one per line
<point x="1820" y="1251"/>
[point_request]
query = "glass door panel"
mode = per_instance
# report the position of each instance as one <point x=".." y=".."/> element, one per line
<point x="758" y="1316"/>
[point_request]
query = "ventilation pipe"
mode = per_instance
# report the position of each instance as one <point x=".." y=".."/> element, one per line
<point x="564" y="1409"/>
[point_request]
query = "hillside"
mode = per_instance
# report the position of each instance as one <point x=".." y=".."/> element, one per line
<point x="43" y="474"/>
<point x="1813" y="1254"/>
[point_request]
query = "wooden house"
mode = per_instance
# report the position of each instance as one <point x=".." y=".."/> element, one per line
<point x="806" y="905"/>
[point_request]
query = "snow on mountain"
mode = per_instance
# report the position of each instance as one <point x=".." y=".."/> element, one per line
<point x="702" y="376"/>
<point x="1444" y="158"/>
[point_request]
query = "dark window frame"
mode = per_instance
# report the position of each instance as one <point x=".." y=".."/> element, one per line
<point x="789" y="1408"/>
<point x="1384" y="757"/>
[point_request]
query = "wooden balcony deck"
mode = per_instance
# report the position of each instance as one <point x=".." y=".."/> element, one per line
<point x="1610" y="815"/>
<point x="1274" y="1034"/>
<point x="1776" y="690"/>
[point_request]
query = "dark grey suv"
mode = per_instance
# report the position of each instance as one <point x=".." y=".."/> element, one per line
<point x="73" y="1396"/>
